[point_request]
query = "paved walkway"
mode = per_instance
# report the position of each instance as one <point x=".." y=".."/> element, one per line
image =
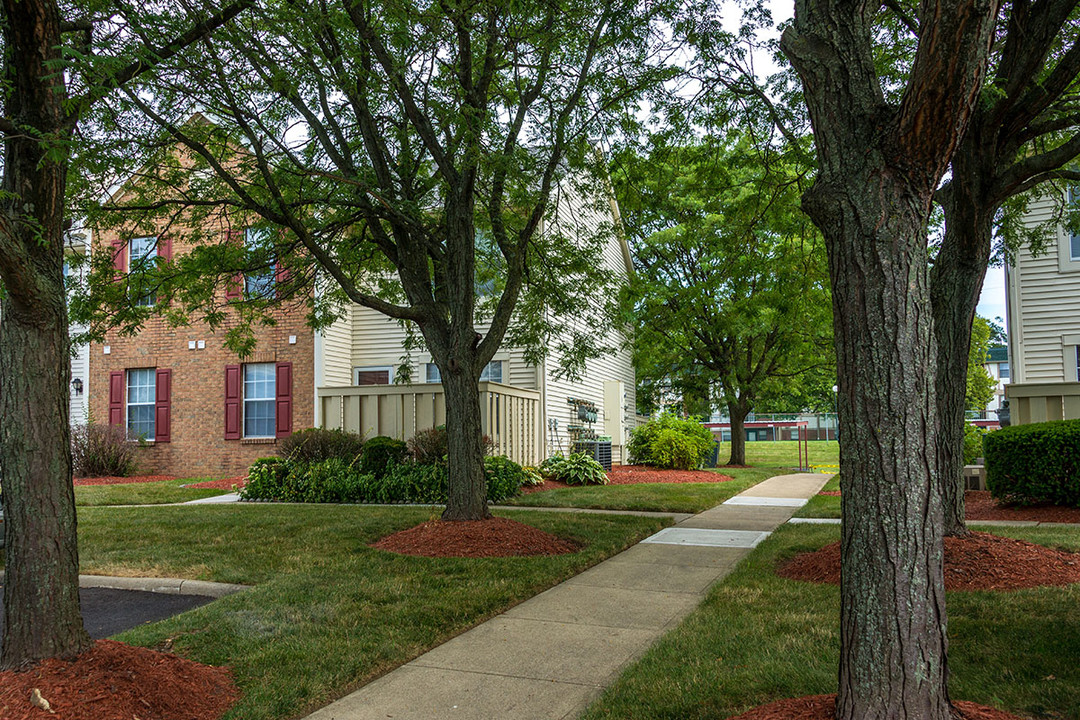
<point x="549" y="657"/>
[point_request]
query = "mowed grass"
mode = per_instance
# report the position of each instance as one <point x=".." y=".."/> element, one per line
<point x="759" y="638"/>
<point x="327" y="613"/>
<point x="785" y="453"/>
<point x="659" y="497"/>
<point x="823" y="506"/>
<point x="150" y="493"/>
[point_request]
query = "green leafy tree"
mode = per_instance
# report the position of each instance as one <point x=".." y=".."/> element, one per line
<point x="409" y="155"/>
<point x="58" y="61"/>
<point x="980" y="385"/>
<point x="731" y="288"/>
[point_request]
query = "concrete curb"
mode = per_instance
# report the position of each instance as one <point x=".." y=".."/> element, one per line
<point x="167" y="586"/>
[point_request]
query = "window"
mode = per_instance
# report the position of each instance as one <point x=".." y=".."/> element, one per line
<point x="259" y="284"/>
<point x="143" y="251"/>
<point x="492" y="372"/>
<point x="140" y="404"/>
<point x="1003" y="370"/>
<point x="372" y="375"/>
<point x="259" y="395"/>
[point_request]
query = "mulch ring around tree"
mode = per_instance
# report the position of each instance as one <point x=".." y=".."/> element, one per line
<point x="223" y="484"/>
<point x="636" y="474"/>
<point x="979" y="561"/>
<point x="823" y="707"/>
<point x="494" y="537"/>
<point x="122" y="480"/>
<point x="113" y="681"/>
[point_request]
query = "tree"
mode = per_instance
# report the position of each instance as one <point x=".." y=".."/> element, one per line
<point x="880" y="160"/>
<point x="40" y="117"/>
<point x="731" y="284"/>
<point x="410" y="154"/>
<point x="980" y="386"/>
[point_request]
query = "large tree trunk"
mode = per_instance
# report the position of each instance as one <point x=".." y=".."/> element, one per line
<point x="955" y="283"/>
<point x="467" y="486"/>
<point x="41" y="582"/>
<point x="738" y="410"/>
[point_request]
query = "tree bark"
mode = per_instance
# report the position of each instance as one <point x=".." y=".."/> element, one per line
<point x="465" y="459"/>
<point x="41" y="583"/>
<point x="955" y="283"/>
<point x="738" y="410"/>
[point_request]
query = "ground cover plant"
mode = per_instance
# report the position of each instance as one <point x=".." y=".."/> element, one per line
<point x="759" y="637"/>
<point x="144" y="493"/>
<point x="574" y="469"/>
<point x="328" y="612"/>
<point x="659" y="497"/>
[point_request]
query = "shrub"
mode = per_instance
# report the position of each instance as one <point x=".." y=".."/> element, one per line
<point x="531" y="476"/>
<point x="973" y="443"/>
<point x="1028" y="464"/>
<point x="671" y="442"/>
<point x="266" y="479"/>
<point x="504" y="477"/>
<point x="576" y="469"/>
<point x="318" y="444"/>
<point x="102" y="451"/>
<point x="378" y="453"/>
<point x="413" y="483"/>
<point x="430" y="446"/>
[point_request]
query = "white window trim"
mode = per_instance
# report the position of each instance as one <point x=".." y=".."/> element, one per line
<point x="372" y="368"/>
<point x="244" y="401"/>
<point x="131" y="260"/>
<point x="499" y="358"/>
<point x="128" y="404"/>
<point x="1066" y="261"/>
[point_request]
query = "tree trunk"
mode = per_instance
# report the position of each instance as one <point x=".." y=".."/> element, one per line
<point x="955" y="283"/>
<point x="893" y="643"/>
<point x="41" y="581"/>
<point x="738" y="410"/>
<point x="467" y="485"/>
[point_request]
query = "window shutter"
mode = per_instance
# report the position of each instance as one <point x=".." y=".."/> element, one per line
<point x="116" y="398"/>
<point x="162" y="405"/>
<point x="232" y="402"/>
<point x="119" y="252"/>
<point x="234" y="287"/>
<point x="164" y="247"/>
<point x="283" y="401"/>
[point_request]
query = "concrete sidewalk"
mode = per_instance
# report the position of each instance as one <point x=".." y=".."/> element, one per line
<point x="550" y="656"/>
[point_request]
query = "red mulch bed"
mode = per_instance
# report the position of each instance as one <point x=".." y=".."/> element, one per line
<point x="494" y="537"/>
<point x="978" y="562"/>
<point x="981" y="505"/>
<point x="122" y="480"/>
<point x="636" y="474"/>
<point x="113" y="681"/>
<point x="823" y="707"/>
<point x="222" y="484"/>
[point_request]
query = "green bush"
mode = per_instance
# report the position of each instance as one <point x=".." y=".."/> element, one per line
<point x="379" y="453"/>
<point x="671" y="442"/>
<point x="973" y="443"/>
<point x="531" y="476"/>
<point x="504" y="477"/>
<point x="1039" y="463"/>
<point x="266" y="479"/>
<point x="102" y="451"/>
<point x="576" y="469"/>
<point x="318" y="444"/>
<point x="430" y="446"/>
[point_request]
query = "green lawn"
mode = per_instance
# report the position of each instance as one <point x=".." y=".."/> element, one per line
<point x="785" y="453"/>
<point x="152" y="493"/>
<point x="328" y="612"/>
<point x="759" y="638"/>
<point x="661" y="497"/>
<point x="823" y="506"/>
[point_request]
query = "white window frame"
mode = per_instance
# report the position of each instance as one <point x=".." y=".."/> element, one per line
<point x="429" y="366"/>
<point x="260" y="284"/>
<point x="1068" y="247"/>
<point x="150" y="299"/>
<point x="372" y="368"/>
<point x="244" y="400"/>
<point x="151" y="404"/>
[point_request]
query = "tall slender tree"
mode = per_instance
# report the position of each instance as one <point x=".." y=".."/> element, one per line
<point x="879" y="164"/>
<point x="45" y="50"/>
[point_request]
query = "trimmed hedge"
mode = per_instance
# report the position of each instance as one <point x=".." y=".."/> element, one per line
<point x="1039" y="463"/>
<point x="379" y="453"/>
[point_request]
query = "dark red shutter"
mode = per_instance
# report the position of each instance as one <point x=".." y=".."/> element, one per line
<point x="232" y="402"/>
<point x="164" y="248"/>
<point x="234" y="286"/>
<point x="119" y="252"/>
<point x="283" y="401"/>
<point x="116" y="398"/>
<point x="162" y="406"/>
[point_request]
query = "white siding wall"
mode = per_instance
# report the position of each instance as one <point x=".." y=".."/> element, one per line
<point x="1044" y="312"/>
<point x="337" y="346"/>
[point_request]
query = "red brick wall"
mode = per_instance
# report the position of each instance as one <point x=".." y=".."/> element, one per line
<point x="198" y="447"/>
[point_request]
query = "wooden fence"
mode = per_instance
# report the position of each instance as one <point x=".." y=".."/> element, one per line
<point x="1040" y="402"/>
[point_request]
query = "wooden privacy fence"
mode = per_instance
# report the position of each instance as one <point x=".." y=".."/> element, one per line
<point x="510" y="416"/>
<point x="1040" y="402"/>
